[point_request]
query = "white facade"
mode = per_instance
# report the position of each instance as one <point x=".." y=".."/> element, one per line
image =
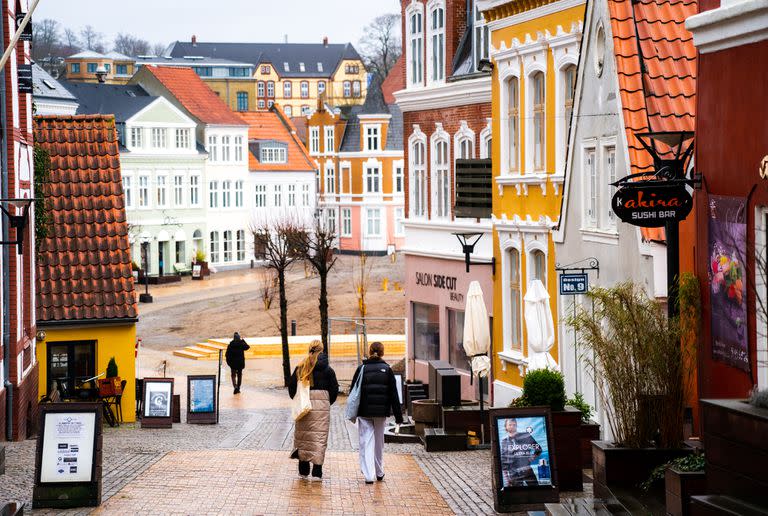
<point x="276" y="195"/>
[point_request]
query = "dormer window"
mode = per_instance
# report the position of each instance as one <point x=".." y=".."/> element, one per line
<point x="372" y="137"/>
<point x="319" y="66"/>
<point x="480" y="37"/>
<point x="286" y="66"/>
<point x="301" y="67"/>
<point x="273" y="153"/>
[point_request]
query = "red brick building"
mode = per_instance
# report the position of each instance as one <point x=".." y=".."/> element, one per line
<point x="446" y="107"/>
<point x="19" y="371"/>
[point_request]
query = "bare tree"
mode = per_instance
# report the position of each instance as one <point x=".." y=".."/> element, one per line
<point x="46" y="39"/>
<point x="91" y="39"/>
<point x="267" y="282"/>
<point x="71" y="41"/>
<point x="316" y="247"/>
<point x="277" y="241"/>
<point x="380" y="46"/>
<point x="130" y="45"/>
<point x="361" y="280"/>
<point x="158" y="49"/>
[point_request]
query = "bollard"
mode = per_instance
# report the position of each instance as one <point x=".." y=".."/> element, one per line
<point x="293" y="327"/>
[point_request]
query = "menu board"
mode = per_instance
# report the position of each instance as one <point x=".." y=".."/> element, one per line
<point x="68" y="447"/>
<point x="202" y="394"/>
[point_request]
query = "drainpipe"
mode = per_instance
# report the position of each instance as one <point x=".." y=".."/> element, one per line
<point x="6" y="258"/>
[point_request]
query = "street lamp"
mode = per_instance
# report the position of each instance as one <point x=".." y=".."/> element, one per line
<point x="145" y="297"/>
<point x="468" y="242"/>
<point x="16" y="221"/>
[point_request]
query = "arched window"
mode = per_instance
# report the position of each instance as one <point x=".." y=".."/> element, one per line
<point x="441" y="190"/>
<point x="437" y="43"/>
<point x="515" y="316"/>
<point x="513" y="121"/>
<point x="260" y="91"/>
<point x="287" y="89"/>
<point x="418" y="158"/>
<point x="569" y="83"/>
<point x="538" y="266"/>
<point x="464" y="149"/>
<point x="538" y="120"/>
<point x="304" y="89"/>
<point x="416" y="47"/>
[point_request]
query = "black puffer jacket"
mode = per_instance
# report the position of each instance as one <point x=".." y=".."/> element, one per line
<point x="378" y="392"/>
<point x="323" y="379"/>
<point x="235" y="354"/>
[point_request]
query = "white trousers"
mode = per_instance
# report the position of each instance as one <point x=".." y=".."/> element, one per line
<point x="371" y="431"/>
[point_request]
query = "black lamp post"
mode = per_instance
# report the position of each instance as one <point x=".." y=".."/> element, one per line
<point x="468" y="242"/>
<point x="17" y="222"/>
<point x="145" y="297"/>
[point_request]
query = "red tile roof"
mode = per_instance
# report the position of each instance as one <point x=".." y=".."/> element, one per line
<point x="395" y="81"/>
<point x="195" y="95"/>
<point x="656" y="66"/>
<point x="272" y="125"/>
<point x="84" y="265"/>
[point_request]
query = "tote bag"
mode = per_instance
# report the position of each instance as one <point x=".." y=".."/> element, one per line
<point x="301" y="403"/>
<point x="353" y="401"/>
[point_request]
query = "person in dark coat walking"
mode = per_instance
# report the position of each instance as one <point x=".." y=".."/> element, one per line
<point x="378" y="400"/>
<point x="310" y="437"/>
<point x="235" y="357"/>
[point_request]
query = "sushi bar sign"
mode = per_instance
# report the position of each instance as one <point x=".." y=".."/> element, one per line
<point x="651" y="204"/>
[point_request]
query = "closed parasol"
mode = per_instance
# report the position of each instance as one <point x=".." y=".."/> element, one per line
<point x="477" y="340"/>
<point x="539" y="327"/>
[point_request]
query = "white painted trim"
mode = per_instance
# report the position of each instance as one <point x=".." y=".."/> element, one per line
<point x="413" y="8"/>
<point x="459" y="93"/>
<point x="533" y="14"/>
<point x="510" y="243"/>
<point x="599" y="236"/>
<point x="485" y="136"/>
<point x="541" y="226"/>
<point x="439" y="136"/>
<point x="374" y="117"/>
<point x="417" y="137"/>
<point x="463" y="133"/>
<point x="372" y="154"/>
<point x="431" y="6"/>
<point x="730" y="25"/>
<point x="456" y="227"/>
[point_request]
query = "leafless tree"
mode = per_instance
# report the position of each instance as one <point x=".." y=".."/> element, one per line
<point x="361" y="281"/>
<point x="277" y="240"/>
<point x="71" y="41"/>
<point x="158" y="49"/>
<point x="316" y="247"/>
<point x="46" y="39"/>
<point x="380" y="45"/>
<point x="267" y="282"/>
<point x="91" y="39"/>
<point x="130" y="45"/>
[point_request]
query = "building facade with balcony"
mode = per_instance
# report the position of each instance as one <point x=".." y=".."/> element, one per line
<point x="359" y="155"/>
<point x="446" y="105"/>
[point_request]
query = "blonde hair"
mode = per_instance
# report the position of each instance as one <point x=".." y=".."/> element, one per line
<point x="308" y="364"/>
<point x="376" y="349"/>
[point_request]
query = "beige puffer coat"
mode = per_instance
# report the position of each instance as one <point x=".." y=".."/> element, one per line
<point x="310" y="437"/>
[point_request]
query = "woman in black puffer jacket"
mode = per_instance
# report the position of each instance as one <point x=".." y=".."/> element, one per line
<point x="378" y="400"/>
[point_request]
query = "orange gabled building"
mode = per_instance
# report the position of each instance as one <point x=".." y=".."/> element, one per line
<point x="361" y="182"/>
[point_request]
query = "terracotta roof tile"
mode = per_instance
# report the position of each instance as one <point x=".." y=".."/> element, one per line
<point x="84" y="266"/>
<point x="195" y="95"/>
<point x="395" y="80"/>
<point x="272" y="125"/>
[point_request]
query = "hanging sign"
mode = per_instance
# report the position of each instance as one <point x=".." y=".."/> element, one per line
<point x="652" y="205"/>
<point x="572" y="284"/>
<point x="25" y="78"/>
<point x="27" y="34"/>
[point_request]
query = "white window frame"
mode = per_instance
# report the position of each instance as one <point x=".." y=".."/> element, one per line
<point x="161" y="189"/>
<point x="304" y="89"/>
<point x="511" y="73"/>
<point x="227" y="240"/>
<point x="591" y="210"/>
<point x="278" y="196"/>
<point x="377" y="220"/>
<point x="144" y="198"/>
<point x="137" y="138"/>
<point x="213" y="152"/>
<point x="440" y="174"/>
<point x="226" y="193"/>
<point x="329" y="144"/>
<point x="213" y="194"/>
<point x="507" y="246"/>
<point x="531" y="247"/>
<point x="480" y="31"/>
<point x="291" y="195"/>
<point x="159" y="137"/>
<point x="178" y="190"/>
<point x="214" y="246"/>
<point x="183" y="138"/>
<point x="128" y="193"/>
<point x="417" y="180"/>
<point x="225" y="150"/>
<point x="330" y="177"/>
<point x="314" y="140"/>
<point x="372" y="137"/>
<point x="398" y="177"/>
<point x="194" y="190"/>
<point x="372" y="177"/>
<point x="240" y="246"/>
<point x="436" y="41"/>
<point x="608" y="217"/>
<point x="414" y="26"/>
<point x="486" y="140"/>
<point x="287" y="89"/>
<point x="305" y="195"/>
<point x="239" y="149"/>
<point x="330" y="220"/>
<point x="347" y="89"/>
<point x="346" y="222"/>
<point x="530" y="127"/>
<point x="463" y="135"/>
<point x="239" y="184"/>
<point x="399" y="216"/>
<point x="260" y="197"/>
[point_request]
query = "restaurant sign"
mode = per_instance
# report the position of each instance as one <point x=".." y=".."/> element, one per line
<point x="652" y="204"/>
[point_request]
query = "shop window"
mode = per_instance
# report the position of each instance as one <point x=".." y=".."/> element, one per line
<point x="456" y="355"/>
<point x="69" y="364"/>
<point x="426" y="332"/>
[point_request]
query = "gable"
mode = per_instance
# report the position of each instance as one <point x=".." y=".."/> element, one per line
<point x="163" y="112"/>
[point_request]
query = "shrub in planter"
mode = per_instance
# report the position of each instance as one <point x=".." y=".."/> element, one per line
<point x="111" y="385"/>
<point x="683" y="477"/>
<point x="544" y="387"/>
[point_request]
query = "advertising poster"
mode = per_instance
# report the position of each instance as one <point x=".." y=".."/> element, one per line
<point x="157" y="402"/>
<point x="68" y="443"/>
<point x="728" y="281"/>
<point x="523" y="451"/>
<point x="201" y="395"/>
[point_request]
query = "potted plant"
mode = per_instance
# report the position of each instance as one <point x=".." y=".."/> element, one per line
<point x="112" y="384"/>
<point x="546" y="388"/>
<point x="634" y="349"/>
<point x="683" y="477"/>
<point x="590" y="430"/>
<point x="199" y="259"/>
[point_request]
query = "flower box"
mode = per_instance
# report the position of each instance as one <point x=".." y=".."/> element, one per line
<point x="679" y="487"/>
<point x="110" y="387"/>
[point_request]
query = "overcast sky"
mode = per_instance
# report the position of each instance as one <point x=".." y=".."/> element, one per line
<point x="263" y="21"/>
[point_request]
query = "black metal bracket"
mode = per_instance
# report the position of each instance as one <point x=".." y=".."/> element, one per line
<point x="593" y="264"/>
<point x="17" y="222"/>
<point x="468" y="247"/>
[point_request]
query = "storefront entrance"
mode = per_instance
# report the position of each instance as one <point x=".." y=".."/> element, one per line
<point x="70" y="363"/>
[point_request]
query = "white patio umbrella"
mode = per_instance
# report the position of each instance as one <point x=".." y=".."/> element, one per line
<point x="477" y="340"/>
<point x="540" y="327"/>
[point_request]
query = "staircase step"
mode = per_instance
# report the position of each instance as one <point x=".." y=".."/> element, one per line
<point x="214" y="346"/>
<point x="188" y="354"/>
<point x="717" y="504"/>
<point x="202" y="351"/>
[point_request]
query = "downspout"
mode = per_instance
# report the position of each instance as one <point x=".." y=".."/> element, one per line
<point x="4" y="177"/>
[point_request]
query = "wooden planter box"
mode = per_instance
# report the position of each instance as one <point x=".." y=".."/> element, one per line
<point x="626" y="467"/>
<point x="110" y="386"/>
<point x="734" y="434"/>
<point x="589" y="432"/>
<point x="566" y="426"/>
<point x="679" y="487"/>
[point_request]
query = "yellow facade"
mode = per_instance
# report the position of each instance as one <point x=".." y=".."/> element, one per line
<point x="82" y="74"/>
<point x="110" y="341"/>
<point x="527" y="193"/>
<point x="228" y="88"/>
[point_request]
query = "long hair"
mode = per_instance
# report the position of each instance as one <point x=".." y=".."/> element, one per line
<point x="308" y="364"/>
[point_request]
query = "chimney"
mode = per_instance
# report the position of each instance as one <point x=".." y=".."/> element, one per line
<point x="325" y="41"/>
<point x="194" y="40"/>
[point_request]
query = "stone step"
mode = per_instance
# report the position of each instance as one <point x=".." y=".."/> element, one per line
<point x="214" y="346"/>
<point x="188" y="354"/>
<point x="201" y="350"/>
<point x="706" y="505"/>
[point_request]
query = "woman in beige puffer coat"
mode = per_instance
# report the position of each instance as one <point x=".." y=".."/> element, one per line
<point x="310" y="437"/>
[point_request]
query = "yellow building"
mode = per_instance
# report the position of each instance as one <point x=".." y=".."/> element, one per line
<point x="114" y="68"/>
<point x="534" y="51"/>
<point x="291" y="75"/>
<point x="86" y="303"/>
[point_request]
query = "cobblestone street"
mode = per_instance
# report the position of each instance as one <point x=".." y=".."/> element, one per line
<point x="241" y="465"/>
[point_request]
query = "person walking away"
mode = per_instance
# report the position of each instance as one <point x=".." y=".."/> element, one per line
<point x="235" y="357"/>
<point x="378" y="400"/>
<point x="310" y="437"/>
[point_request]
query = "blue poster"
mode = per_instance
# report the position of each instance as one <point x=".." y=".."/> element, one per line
<point x="524" y="451"/>
<point x="201" y="395"/>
